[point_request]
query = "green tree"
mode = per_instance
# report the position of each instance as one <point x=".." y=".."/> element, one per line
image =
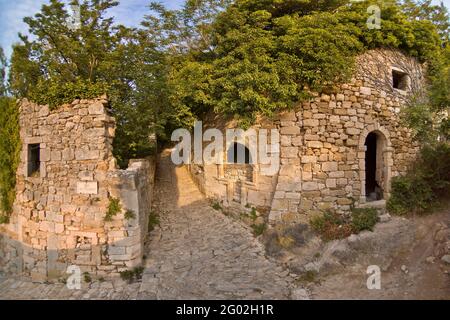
<point x="265" y="56"/>
<point x="2" y="73"/>
<point x="63" y="54"/>
<point x="9" y="154"/>
<point x="426" y="10"/>
<point x="61" y="63"/>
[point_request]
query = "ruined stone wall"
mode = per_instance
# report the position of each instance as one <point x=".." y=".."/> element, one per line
<point x="243" y="184"/>
<point x="323" y="143"/>
<point x="61" y="204"/>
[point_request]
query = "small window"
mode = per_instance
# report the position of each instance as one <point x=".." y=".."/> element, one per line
<point x="239" y="154"/>
<point x="34" y="160"/>
<point x="400" y="80"/>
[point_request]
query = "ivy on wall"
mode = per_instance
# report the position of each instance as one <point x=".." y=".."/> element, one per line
<point x="10" y="148"/>
<point x="56" y="94"/>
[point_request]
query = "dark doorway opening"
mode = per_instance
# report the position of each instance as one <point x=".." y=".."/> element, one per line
<point x="34" y="159"/>
<point x="239" y="154"/>
<point x="373" y="190"/>
<point x="399" y="80"/>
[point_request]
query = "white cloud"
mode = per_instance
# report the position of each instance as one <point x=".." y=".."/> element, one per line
<point x="129" y="12"/>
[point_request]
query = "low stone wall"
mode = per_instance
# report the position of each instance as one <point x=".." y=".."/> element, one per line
<point x="66" y="180"/>
<point x="134" y="188"/>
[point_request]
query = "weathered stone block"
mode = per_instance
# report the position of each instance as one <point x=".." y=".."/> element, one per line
<point x="315" y="144"/>
<point x="290" y="130"/>
<point x="96" y="108"/>
<point x="83" y="154"/>
<point x="308" y="159"/>
<point x="365" y="91"/>
<point x="310" y="186"/>
<point x="310" y="123"/>
<point x="329" y="166"/>
<point x="85" y="187"/>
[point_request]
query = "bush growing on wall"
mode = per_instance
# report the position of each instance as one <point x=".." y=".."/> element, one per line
<point x="425" y="185"/>
<point x="9" y="154"/>
<point x="55" y="94"/>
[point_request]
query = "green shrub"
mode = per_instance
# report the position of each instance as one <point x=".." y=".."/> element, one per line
<point x="4" y="219"/>
<point x="331" y="226"/>
<point x="258" y="229"/>
<point x="153" y="221"/>
<point x="87" y="277"/>
<point x="132" y="275"/>
<point x="114" y="208"/>
<point x="425" y="185"/>
<point x="310" y="276"/>
<point x="127" y="275"/>
<point x="10" y="147"/>
<point x="253" y="214"/>
<point x="216" y="206"/>
<point x="364" y="219"/>
<point x="129" y="214"/>
<point x="56" y="93"/>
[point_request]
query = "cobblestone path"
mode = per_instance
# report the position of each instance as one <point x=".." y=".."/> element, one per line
<point x="195" y="253"/>
<point x="198" y="253"/>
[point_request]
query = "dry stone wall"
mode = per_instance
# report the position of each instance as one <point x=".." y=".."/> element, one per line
<point x="66" y="180"/>
<point x="324" y="143"/>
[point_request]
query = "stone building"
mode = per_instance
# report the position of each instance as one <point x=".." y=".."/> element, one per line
<point x="66" y="180"/>
<point x="339" y="149"/>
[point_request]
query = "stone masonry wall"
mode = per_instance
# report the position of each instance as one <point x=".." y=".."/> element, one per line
<point x="59" y="212"/>
<point x="323" y="143"/>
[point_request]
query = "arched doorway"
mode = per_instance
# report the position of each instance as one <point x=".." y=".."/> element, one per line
<point x="376" y="166"/>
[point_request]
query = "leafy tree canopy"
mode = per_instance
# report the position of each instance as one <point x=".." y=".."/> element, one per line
<point x="61" y="63"/>
<point x="239" y="58"/>
<point x="267" y="55"/>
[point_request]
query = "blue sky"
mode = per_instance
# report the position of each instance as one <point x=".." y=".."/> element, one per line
<point x="12" y="12"/>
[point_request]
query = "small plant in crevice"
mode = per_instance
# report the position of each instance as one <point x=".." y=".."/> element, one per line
<point x="114" y="208"/>
<point x="253" y="214"/>
<point x="216" y="206"/>
<point x="138" y="272"/>
<point x="127" y="276"/>
<point x="258" y="229"/>
<point x="132" y="275"/>
<point x="153" y="221"/>
<point x="129" y="215"/>
<point x="87" y="277"/>
<point x="310" y="276"/>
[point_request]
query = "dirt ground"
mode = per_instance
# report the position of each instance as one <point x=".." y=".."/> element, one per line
<point x="418" y="273"/>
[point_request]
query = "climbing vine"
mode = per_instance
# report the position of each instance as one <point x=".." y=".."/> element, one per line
<point x="268" y="55"/>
